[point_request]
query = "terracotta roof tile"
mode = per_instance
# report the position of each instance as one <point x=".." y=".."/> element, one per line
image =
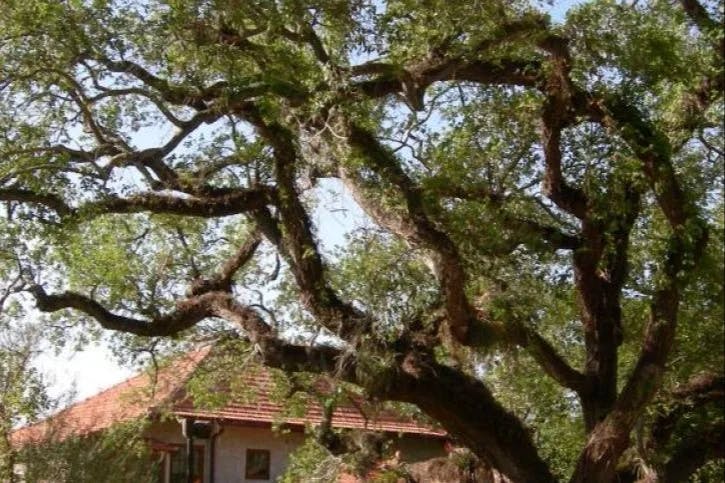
<point x="261" y="408"/>
<point x="132" y="399"/>
<point x="125" y="401"/>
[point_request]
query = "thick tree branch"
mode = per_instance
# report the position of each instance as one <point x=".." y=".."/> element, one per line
<point x="320" y="359"/>
<point x="465" y="407"/>
<point x="687" y="241"/>
<point x="232" y="203"/>
<point x="438" y="65"/>
<point x="570" y="199"/>
<point x="693" y="453"/>
<point x="50" y="201"/>
<point x="699" y="16"/>
<point x="222" y="280"/>
<point x="419" y="230"/>
<point x="297" y="240"/>
<point x="463" y="404"/>
<point x="210" y="297"/>
<point x="187" y="313"/>
<point x="225" y="203"/>
<point x="551" y="361"/>
<point x="556" y="115"/>
<point x="274" y="351"/>
<point x="413" y="82"/>
<point x="600" y="270"/>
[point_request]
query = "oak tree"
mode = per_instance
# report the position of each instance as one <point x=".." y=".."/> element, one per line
<point x="536" y="263"/>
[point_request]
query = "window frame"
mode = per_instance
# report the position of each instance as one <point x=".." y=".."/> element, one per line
<point x="257" y="476"/>
<point x="199" y="450"/>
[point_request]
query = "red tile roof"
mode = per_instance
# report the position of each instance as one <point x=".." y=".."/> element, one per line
<point x="133" y="399"/>
<point x="128" y="400"/>
<point x="260" y="407"/>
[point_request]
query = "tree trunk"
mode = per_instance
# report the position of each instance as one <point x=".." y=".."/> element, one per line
<point x="468" y="411"/>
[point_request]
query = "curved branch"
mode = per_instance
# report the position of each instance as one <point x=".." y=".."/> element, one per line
<point x="188" y="312"/>
<point x="138" y="91"/>
<point x="465" y="407"/>
<point x="175" y="94"/>
<point x="699" y="16"/>
<point x="551" y="361"/>
<point x="222" y="280"/>
<point x="186" y="315"/>
<point x="556" y="115"/>
<point x="570" y="199"/>
<point x="691" y="454"/>
<point x="555" y="237"/>
<point x="296" y="241"/>
<point x="438" y="65"/>
<point x="416" y="227"/>
<point x="51" y="201"/>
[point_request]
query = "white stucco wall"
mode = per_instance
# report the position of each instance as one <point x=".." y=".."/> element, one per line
<point x="231" y="447"/>
<point x="232" y="443"/>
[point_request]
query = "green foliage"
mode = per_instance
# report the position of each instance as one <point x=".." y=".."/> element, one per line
<point x="458" y="161"/>
<point x="552" y="412"/>
<point x="119" y="454"/>
<point x="386" y="277"/>
<point x="311" y="461"/>
<point x="23" y="394"/>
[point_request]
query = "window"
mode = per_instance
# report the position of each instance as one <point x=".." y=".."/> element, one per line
<point x="177" y="470"/>
<point x="257" y="464"/>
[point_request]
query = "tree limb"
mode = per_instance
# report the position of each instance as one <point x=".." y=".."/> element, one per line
<point x="556" y="115"/>
<point x="222" y="280"/>
<point x="225" y="203"/>
<point x="699" y="16"/>
<point x="418" y="229"/>
<point x="557" y="238"/>
<point x="701" y="389"/>
<point x="551" y="361"/>
<point x="296" y="238"/>
<point x="687" y="241"/>
<point x="187" y="313"/>
<point x="175" y="94"/>
<point x="691" y="454"/>
<point x="21" y="195"/>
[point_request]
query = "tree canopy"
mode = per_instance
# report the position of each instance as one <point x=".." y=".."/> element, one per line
<point x="537" y="260"/>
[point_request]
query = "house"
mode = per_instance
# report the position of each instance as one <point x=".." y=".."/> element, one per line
<point x="236" y="442"/>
